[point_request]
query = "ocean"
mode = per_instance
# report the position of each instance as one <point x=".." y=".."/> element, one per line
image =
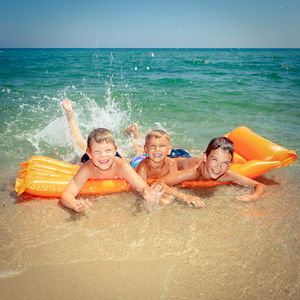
<point x="193" y="94"/>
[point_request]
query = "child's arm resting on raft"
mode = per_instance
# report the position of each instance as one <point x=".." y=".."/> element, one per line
<point x="68" y="197"/>
<point x="259" y="188"/>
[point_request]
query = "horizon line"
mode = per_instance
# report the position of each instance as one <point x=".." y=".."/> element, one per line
<point x="217" y="48"/>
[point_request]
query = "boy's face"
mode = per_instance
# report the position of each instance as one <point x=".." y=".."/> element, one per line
<point x="157" y="149"/>
<point x="102" y="154"/>
<point x="217" y="163"/>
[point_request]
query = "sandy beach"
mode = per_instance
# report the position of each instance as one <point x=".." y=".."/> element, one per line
<point x="121" y="249"/>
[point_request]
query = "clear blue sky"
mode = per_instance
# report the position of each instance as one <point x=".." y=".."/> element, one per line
<point x="152" y="23"/>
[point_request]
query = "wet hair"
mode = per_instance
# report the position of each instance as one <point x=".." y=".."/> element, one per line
<point x="157" y="134"/>
<point x="99" y="136"/>
<point x="220" y="142"/>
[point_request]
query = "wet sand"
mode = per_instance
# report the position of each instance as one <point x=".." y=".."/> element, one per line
<point x="122" y="249"/>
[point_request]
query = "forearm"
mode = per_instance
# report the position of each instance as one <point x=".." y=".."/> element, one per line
<point x="179" y="176"/>
<point x="259" y="190"/>
<point x="76" y="134"/>
<point x="195" y="200"/>
<point x="68" y="200"/>
<point x="171" y="190"/>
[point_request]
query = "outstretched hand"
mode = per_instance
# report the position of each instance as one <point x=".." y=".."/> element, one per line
<point x="194" y="201"/>
<point x="245" y="198"/>
<point x="153" y="194"/>
<point x="82" y="204"/>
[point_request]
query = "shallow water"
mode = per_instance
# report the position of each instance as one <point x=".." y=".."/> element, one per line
<point x="226" y="250"/>
<point x="121" y="248"/>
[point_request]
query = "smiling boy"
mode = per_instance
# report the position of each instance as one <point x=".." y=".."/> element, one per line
<point x="103" y="164"/>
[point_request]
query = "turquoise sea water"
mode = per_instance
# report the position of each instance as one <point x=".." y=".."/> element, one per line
<point x="195" y="95"/>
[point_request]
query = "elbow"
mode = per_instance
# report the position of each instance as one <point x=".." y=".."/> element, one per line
<point x="260" y="189"/>
<point x="64" y="200"/>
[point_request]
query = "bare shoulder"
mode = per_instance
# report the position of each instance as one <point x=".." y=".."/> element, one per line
<point x="121" y="167"/>
<point x="187" y="163"/>
<point x="171" y="164"/>
<point x="120" y="164"/>
<point x="86" y="171"/>
<point x="142" y="166"/>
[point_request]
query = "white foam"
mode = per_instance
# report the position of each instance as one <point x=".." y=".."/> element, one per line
<point x="10" y="274"/>
<point x="88" y="114"/>
<point x="54" y="133"/>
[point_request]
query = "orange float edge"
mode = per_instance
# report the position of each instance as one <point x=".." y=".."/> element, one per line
<point x="254" y="156"/>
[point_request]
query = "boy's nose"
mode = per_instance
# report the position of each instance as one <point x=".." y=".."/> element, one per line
<point x="218" y="167"/>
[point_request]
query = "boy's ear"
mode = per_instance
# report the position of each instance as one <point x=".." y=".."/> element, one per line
<point x="145" y="149"/>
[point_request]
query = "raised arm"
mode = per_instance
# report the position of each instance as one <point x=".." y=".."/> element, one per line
<point x="74" y="129"/>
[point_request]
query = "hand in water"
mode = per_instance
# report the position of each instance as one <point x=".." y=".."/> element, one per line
<point x="194" y="201"/>
<point x="245" y="198"/>
<point x="153" y="194"/>
<point x="167" y="199"/>
<point x="82" y="204"/>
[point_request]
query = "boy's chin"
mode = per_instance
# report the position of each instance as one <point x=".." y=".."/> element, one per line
<point x="156" y="160"/>
<point x="103" y="167"/>
<point x="160" y="158"/>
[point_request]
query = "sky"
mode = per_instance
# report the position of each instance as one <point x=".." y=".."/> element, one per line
<point x="150" y="24"/>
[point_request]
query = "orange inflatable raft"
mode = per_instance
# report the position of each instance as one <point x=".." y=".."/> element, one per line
<point x="254" y="156"/>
